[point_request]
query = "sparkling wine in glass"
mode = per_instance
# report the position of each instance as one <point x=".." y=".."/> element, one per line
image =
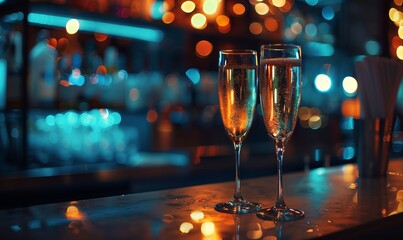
<point x="237" y="92"/>
<point x="280" y="95"/>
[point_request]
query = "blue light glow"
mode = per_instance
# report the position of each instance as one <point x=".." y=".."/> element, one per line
<point x="348" y="153"/>
<point x="126" y="31"/>
<point x="76" y="78"/>
<point x="372" y="47"/>
<point x="319" y="49"/>
<point x="328" y="13"/>
<point x="157" y="10"/>
<point x="311" y="2"/>
<point x="194" y="75"/>
<point x="311" y="30"/>
<point x="3" y="83"/>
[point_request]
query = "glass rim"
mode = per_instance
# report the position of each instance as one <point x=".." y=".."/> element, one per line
<point x="238" y="51"/>
<point x="280" y="46"/>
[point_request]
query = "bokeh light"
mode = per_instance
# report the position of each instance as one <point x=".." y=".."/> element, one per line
<point x="372" y="47"/>
<point x="315" y="122"/>
<point x="261" y="8"/>
<point x="186" y="227"/>
<point x="188" y="6"/>
<point x="72" y="26"/>
<point x="222" y="20"/>
<point x="311" y="30"/>
<point x="238" y="8"/>
<point x="204" y="48"/>
<point x="278" y="3"/>
<point x="311" y="2"/>
<point x="323" y="82"/>
<point x="168" y="17"/>
<point x="271" y="24"/>
<point x="210" y="7"/>
<point x="399" y="52"/>
<point x="350" y="85"/>
<point x="100" y="37"/>
<point x="197" y="215"/>
<point x="198" y="21"/>
<point x="328" y="13"/>
<point x="255" y="28"/>
<point x="208" y="229"/>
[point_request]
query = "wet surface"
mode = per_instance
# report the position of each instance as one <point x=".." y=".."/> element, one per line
<point x="336" y="203"/>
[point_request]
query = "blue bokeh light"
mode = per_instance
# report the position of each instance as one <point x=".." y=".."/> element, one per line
<point x="328" y="13"/>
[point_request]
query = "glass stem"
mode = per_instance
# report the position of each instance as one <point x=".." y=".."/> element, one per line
<point x="280" y="204"/>
<point x="237" y="194"/>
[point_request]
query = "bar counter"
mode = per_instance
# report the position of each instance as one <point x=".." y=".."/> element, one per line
<point x="337" y="205"/>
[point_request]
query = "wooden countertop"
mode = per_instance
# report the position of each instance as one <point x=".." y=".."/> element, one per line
<point x="337" y="205"/>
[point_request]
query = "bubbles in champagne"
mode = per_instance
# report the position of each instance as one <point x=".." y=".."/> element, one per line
<point x="237" y="95"/>
<point x="280" y="86"/>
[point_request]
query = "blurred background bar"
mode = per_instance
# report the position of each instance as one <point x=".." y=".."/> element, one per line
<point x="105" y="97"/>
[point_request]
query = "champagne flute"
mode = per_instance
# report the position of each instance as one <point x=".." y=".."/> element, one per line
<point x="280" y="95"/>
<point x="237" y="92"/>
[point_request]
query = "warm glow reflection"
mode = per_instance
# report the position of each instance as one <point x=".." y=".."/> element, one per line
<point x="72" y="26"/>
<point x="188" y="6"/>
<point x="186" y="227"/>
<point x="208" y="229"/>
<point x="73" y="213"/>
<point x="210" y="7"/>
<point x="398" y="2"/>
<point x="278" y="3"/>
<point x="168" y="17"/>
<point x="254" y="231"/>
<point x="197" y="215"/>
<point x="261" y="8"/>
<point x="204" y="48"/>
<point x="198" y="21"/>
<point x="238" y="8"/>
<point x="271" y="24"/>
<point x="255" y="28"/>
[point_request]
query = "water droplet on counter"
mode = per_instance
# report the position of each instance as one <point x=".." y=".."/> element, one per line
<point x="329" y="221"/>
<point x="309" y="230"/>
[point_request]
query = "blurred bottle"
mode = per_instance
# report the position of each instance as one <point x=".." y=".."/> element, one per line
<point x="42" y="72"/>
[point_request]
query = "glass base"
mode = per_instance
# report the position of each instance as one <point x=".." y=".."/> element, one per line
<point x="275" y="214"/>
<point x="237" y="207"/>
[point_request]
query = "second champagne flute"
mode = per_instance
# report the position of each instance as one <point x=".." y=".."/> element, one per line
<point x="237" y="92"/>
<point x="280" y="96"/>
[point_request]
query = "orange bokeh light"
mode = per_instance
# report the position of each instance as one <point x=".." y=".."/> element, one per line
<point x="271" y="24"/>
<point x="204" y="48"/>
<point x="351" y="108"/>
<point x="100" y="37"/>
<point x="238" y="8"/>
<point x="168" y="17"/>
<point x="222" y="20"/>
<point x="152" y="116"/>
